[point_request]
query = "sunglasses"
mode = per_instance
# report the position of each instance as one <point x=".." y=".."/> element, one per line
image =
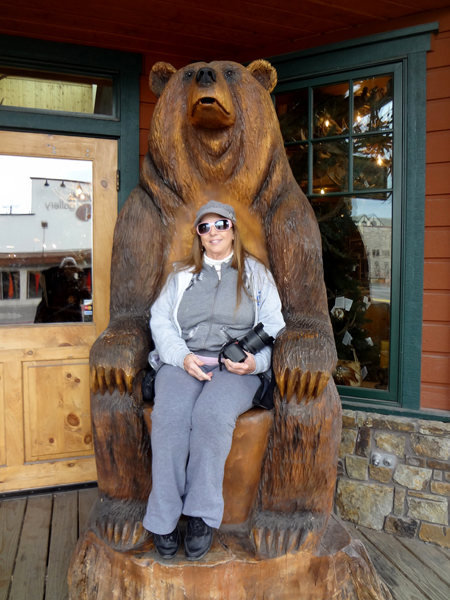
<point x="219" y="225"/>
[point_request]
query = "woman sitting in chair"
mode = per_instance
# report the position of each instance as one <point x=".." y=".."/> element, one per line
<point x="218" y="292"/>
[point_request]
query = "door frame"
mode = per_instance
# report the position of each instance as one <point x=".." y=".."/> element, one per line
<point x="27" y="346"/>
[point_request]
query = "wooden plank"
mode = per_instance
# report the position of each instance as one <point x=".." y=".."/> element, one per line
<point x="62" y="544"/>
<point x="438" y="177"/>
<point x="430" y="556"/>
<point x="30" y="337"/>
<point x="104" y="219"/>
<point x="57" y="409"/>
<point x="436" y="338"/>
<point x="400" y="586"/>
<point x="437" y="241"/>
<point x="2" y="417"/>
<point x="435" y="368"/>
<point x="438" y="114"/>
<point x="11" y="517"/>
<point x="13" y="416"/>
<point x="413" y="569"/>
<point x="45" y="145"/>
<point x="436" y="306"/>
<point x="45" y="474"/>
<point x="437" y="397"/>
<point x="436" y="274"/>
<point x="438" y="82"/>
<point x="29" y="572"/>
<point x="438" y="146"/>
<point x="86" y="500"/>
<point x="437" y="211"/>
<point x="440" y="57"/>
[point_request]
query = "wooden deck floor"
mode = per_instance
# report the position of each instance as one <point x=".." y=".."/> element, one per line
<point x="38" y="534"/>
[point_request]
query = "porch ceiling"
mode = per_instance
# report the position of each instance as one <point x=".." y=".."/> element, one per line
<point x="185" y="30"/>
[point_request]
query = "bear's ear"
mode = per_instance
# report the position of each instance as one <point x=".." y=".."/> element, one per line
<point x="263" y="72"/>
<point x="159" y="76"/>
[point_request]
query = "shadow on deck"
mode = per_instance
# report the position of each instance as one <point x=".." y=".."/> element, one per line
<point x="38" y="535"/>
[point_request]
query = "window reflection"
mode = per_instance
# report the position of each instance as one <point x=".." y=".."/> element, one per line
<point x="356" y="236"/>
<point x="373" y="104"/>
<point x="372" y="162"/>
<point x="292" y="111"/>
<point x="331" y="110"/>
<point x="46" y="241"/>
<point x="298" y="161"/>
<point x="330" y="166"/>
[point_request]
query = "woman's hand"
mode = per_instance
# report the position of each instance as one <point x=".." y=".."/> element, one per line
<point x="241" y="368"/>
<point x="192" y="366"/>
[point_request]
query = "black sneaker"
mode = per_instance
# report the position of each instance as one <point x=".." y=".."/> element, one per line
<point x="167" y="545"/>
<point x="198" y="540"/>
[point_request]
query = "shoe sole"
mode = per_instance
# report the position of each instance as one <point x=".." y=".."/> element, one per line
<point x="193" y="558"/>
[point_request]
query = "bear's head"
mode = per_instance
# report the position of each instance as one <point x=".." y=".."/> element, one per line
<point x="214" y="124"/>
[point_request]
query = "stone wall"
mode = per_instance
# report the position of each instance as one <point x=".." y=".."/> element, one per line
<point x="412" y="498"/>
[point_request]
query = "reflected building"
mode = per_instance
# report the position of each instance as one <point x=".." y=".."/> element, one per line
<point x="47" y="249"/>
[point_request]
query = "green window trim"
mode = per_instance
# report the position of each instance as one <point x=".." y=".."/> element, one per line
<point x="406" y="50"/>
<point x="123" y="67"/>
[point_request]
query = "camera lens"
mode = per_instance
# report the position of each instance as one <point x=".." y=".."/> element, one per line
<point x="256" y="339"/>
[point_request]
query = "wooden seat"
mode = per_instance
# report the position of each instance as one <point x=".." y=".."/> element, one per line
<point x="243" y="466"/>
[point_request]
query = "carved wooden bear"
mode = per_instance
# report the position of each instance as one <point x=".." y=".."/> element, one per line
<point x="215" y="134"/>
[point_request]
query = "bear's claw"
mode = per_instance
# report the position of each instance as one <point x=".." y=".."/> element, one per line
<point x="123" y="535"/>
<point x="276" y="542"/>
<point x="301" y="384"/>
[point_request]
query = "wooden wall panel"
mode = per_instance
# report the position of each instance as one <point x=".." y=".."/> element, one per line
<point x="436" y="337"/>
<point x="436" y="315"/>
<point x="435" y="396"/>
<point x="2" y="418"/>
<point x="437" y="211"/>
<point x="437" y="274"/>
<point x="57" y="412"/>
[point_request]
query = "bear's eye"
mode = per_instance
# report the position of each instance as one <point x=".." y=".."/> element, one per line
<point x="189" y="74"/>
<point x="229" y="72"/>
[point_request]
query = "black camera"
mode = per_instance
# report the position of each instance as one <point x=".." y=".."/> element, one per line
<point x="253" y="342"/>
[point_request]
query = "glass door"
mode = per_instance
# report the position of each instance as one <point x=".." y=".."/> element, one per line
<point x="58" y="206"/>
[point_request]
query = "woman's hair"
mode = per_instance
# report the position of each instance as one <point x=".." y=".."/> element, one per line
<point x="194" y="261"/>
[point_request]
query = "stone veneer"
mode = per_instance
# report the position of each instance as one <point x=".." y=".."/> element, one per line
<point x="410" y="500"/>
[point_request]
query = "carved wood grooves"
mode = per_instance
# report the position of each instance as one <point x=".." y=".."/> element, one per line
<point x="340" y="570"/>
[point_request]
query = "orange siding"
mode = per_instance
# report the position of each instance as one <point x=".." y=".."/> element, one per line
<point x="435" y="391"/>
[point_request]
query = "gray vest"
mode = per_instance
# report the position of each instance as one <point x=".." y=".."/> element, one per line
<point x="208" y="306"/>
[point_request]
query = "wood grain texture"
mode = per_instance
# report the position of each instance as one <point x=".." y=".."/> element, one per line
<point x="29" y="573"/>
<point x="45" y="376"/>
<point x="400" y="586"/>
<point x="46" y="474"/>
<point x="2" y="417"/>
<point x="435" y="369"/>
<point x="63" y="539"/>
<point x="435" y="396"/>
<point x="423" y="577"/>
<point x="11" y="516"/>
<point x="86" y="500"/>
<point x="66" y="430"/>
<point x="437" y="211"/>
<point x="436" y="338"/>
<point x="342" y="570"/>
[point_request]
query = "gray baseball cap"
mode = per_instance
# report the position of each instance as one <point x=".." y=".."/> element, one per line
<point x="224" y="210"/>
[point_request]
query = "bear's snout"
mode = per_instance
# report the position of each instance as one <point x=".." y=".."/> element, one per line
<point x="206" y="76"/>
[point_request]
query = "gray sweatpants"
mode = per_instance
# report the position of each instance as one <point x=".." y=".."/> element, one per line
<point x="193" y="423"/>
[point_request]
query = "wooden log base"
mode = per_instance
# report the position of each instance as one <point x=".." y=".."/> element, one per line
<point x="340" y="570"/>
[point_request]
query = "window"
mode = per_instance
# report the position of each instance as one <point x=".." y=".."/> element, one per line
<point x="358" y="155"/>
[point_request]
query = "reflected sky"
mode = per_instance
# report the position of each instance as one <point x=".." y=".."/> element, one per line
<point x="369" y="206"/>
<point x="15" y="173"/>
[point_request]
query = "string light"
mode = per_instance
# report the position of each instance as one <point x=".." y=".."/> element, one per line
<point x="322" y="191"/>
<point x="327" y="123"/>
<point x="380" y="160"/>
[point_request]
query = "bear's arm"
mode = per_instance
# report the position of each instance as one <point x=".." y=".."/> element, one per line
<point x="305" y="353"/>
<point x="137" y="267"/>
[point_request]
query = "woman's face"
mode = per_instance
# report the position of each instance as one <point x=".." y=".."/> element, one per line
<point x="217" y="244"/>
